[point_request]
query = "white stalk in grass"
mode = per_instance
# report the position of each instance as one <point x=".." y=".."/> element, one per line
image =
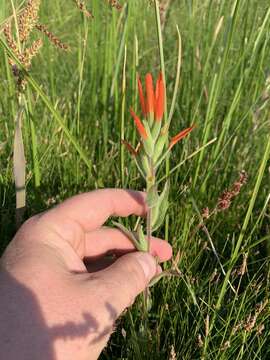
<point x="19" y="165"/>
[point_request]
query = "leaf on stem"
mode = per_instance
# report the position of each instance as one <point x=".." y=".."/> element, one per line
<point x="160" y="210"/>
<point x="152" y="198"/>
<point x="162" y="275"/>
<point x="136" y="238"/>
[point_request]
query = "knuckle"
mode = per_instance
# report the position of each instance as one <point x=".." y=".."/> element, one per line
<point x="135" y="278"/>
<point x="26" y="229"/>
<point x="138" y="276"/>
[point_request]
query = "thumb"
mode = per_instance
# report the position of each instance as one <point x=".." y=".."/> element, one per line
<point x="128" y="277"/>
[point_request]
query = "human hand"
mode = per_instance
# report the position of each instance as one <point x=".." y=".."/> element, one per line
<point x="52" y="305"/>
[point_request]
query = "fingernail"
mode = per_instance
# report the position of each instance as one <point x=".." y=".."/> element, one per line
<point x="159" y="270"/>
<point x="148" y="264"/>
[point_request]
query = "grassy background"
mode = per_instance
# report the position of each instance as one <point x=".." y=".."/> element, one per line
<point x="224" y="89"/>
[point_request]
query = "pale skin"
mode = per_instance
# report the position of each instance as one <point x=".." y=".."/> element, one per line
<point x="54" y="303"/>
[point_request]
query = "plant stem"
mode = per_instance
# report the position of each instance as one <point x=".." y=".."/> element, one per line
<point x="149" y="228"/>
<point x="122" y="124"/>
<point x="162" y="65"/>
<point x="151" y="181"/>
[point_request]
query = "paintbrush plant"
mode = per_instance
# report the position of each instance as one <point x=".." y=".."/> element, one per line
<point x="153" y="149"/>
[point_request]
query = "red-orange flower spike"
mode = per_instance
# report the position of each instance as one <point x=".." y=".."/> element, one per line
<point x="160" y="96"/>
<point x="180" y="136"/>
<point x="142" y="99"/>
<point x="150" y="106"/>
<point x="139" y="125"/>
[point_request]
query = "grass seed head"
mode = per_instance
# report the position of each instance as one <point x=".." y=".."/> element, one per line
<point x="243" y="268"/>
<point x="250" y="322"/>
<point x="82" y="7"/>
<point x="225" y="345"/>
<point x="52" y="38"/>
<point x="115" y="4"/>
<point x="9" y="38"/>
<point x="224" y="201"/>
<point x="172" y="353"/>
<point x="260" y="329"/>
<point x="199" y="341"/>
<point x="29" y="53"/>
<point x="26" y="23"/>
<point x="206" y="213"/>
<point x="28" y="19"/>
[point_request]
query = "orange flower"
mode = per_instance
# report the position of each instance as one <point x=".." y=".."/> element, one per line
<point x="141" y="129"/>
<point x="150" y="103"/>
<point x="154" y="102"/>
<point x="180" y="136"/>
<point x="160" y="97"/>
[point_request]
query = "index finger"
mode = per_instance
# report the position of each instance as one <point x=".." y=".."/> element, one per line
<point x="91" y="210"/>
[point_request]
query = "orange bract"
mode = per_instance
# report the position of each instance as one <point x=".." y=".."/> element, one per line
<point x="139" y="125"/>
<point x="150" y="93"/>
<point x="160" y="98"/>
<point x="180" y="136"/>
<point x="154" y="101"/>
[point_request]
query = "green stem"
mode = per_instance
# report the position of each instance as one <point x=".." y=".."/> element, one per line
<point x="162" y="65"/>
<point x="34" y="145"/>
<point x="150" y="182"/>
<point x="122" y="124"/>
<point x="149" y="228"/>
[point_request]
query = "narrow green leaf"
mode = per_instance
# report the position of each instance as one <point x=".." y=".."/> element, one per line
<point x="152" y="198"/>
<point x="130" y="234"/>
<point x="159" y="212"/>
<point x="143" y="245"/>
<point x="162" y="275"/>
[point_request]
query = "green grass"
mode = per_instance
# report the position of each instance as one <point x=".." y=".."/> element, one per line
<point x="77" y="113"/>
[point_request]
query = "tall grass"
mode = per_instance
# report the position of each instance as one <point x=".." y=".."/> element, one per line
<point x="79" y="110"/>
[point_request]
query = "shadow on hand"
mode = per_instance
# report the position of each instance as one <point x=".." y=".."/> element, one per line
<point x="24" y="334"/>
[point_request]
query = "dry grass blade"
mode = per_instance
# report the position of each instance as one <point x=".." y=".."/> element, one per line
<point x="19" y="165"/>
